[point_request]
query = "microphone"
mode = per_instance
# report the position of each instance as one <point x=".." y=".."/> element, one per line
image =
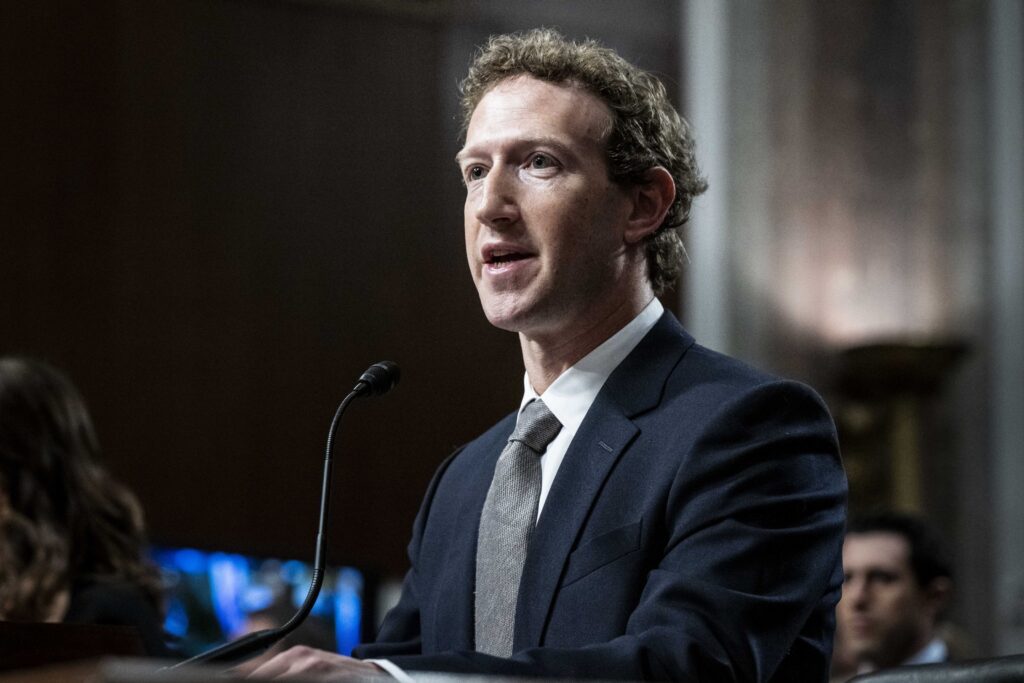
<point x="378" y="379"/>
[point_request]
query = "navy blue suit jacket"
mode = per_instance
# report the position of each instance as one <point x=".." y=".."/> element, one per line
<point x="693" y="532"/>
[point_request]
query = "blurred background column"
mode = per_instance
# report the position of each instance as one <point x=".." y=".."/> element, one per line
<point x="1006" y="170"/>
<point x="705" y="65"/>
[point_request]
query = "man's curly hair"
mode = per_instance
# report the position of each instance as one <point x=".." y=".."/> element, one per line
<point x="646" y="129"/>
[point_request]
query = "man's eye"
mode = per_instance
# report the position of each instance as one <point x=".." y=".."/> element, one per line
<point x="883" y="577"/>
<point x="541" y="161"/>
<point x="475" y="172"/>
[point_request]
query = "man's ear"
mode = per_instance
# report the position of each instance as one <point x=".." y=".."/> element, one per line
<point x="937" y="593"/>
<point x="651" y="202"/>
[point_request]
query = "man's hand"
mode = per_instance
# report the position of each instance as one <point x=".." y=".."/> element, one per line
<point x="306" y="662"/>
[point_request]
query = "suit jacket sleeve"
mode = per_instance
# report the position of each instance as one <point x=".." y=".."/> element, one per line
<point x="745" y="573"/>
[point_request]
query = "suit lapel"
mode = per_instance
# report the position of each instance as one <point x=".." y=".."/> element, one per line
<point x="595" y="448"/>
<point x="454" y="614"/>
<point x="606" y="432"/>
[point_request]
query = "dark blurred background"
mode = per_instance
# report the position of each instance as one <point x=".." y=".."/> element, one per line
<point x="214" y="214"/>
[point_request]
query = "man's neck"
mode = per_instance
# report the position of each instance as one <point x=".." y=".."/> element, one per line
<point x="548" y="356"/>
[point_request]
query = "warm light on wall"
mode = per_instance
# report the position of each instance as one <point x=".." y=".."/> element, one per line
<point x="844" y="282"/>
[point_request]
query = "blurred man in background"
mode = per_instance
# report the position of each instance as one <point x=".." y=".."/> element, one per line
<point x="897" y="581"/>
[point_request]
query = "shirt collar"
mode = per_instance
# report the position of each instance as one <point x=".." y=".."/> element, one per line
<point x="570" y="396"/>
<point x="935" y="652"/>
<point x="932" y="653"/>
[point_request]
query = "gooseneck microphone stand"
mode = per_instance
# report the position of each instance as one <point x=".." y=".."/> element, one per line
<point x="378" y="379"/>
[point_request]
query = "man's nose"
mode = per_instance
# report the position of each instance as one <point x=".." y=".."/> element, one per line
<point x="855" y="592"/>
<point x="497" y="205"/>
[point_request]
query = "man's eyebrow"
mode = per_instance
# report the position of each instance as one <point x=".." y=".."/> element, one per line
<point x="548" y="141"/>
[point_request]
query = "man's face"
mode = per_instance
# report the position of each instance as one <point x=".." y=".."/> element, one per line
<point x="543" y="221"/>
<point x="884" y="615"/>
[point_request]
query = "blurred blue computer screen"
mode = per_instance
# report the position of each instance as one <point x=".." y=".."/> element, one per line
<point x="214" y="597"/>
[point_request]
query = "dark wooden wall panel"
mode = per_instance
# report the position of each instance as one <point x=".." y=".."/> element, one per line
<point x="215" y="215"/>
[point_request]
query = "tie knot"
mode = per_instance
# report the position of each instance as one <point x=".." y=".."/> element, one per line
<point x="536" y="427"/>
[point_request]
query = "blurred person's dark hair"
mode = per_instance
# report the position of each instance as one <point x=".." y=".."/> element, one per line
<point x="63" y="519"/>
<point x="646" y="130"/>
<point x="929" y="559"/>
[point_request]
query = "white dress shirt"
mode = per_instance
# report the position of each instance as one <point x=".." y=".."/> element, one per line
<point x="570" y="396"/>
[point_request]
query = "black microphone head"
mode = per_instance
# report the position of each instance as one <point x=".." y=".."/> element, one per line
<point x="379" y="378"/>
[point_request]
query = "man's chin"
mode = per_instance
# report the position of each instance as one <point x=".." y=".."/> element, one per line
<point x="505" y="312"/>
<point x="876" y="655"/>
<point x="865" y="650"/>
<point x="502" y="321"/>
<point x="531" y="315"/>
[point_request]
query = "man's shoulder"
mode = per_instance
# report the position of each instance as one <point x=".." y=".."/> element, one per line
<point x="699" y="360"/>
<point x="708" y="383"/>
<point x="682" y="368"/>
<point x="706" y="366"/>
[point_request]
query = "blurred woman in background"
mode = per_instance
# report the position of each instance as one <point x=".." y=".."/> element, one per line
<point x="72" y="541"/>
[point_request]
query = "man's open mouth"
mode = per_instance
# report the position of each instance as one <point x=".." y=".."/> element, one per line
<point x="506" y="257"/>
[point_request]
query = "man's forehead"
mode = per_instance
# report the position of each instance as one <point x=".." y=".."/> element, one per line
<point x="522" y="98"/>
<point x="880" y="548"/>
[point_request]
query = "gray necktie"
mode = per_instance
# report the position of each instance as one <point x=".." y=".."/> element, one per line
<point x="506" y="523"/>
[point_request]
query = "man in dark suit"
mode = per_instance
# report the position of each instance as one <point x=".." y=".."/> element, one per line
<point x="683" y="512"/>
